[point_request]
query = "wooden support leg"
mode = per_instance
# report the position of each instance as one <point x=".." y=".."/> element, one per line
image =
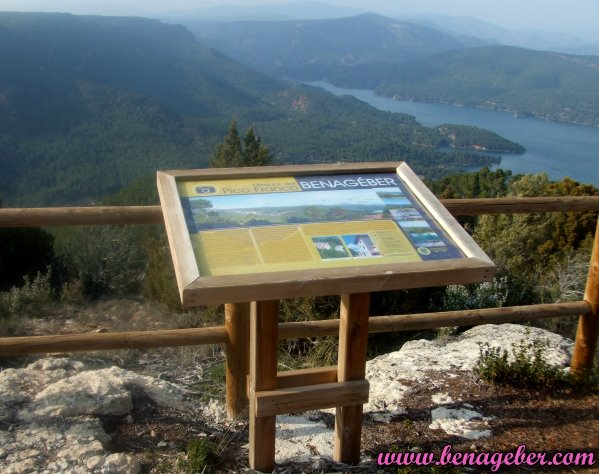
<point x="263" y="376"/>
<point x="588" y="324"/>
<point x="353" y="341"/>
<point x="237" y="325"/>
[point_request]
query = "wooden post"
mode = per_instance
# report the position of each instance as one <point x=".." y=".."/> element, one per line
<point x="588" y="324"/>
<point x="263" y="376"/>
<point x="237" y="325"/>
<point x="353" y="341"/>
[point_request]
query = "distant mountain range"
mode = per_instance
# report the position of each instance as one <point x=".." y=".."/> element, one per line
<point x="89" y="104"/>
<point x="537" y="40"/>
<point x="354" y="51"/>
<point x="270" y="12"/>
<point x="460" y="25"/>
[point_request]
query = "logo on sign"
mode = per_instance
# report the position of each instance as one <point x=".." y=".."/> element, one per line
<point x="205" y="189"/>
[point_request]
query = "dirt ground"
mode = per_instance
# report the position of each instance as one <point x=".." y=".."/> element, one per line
<point x="542" y="422"/>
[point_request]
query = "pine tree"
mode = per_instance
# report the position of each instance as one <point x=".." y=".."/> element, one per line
<point x="233" y="153"/>
<point x="255" y="154"/>
<point x="229" y="154"/>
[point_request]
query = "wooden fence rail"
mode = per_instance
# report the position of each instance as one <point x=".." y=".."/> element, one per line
<point x="108" y="215"/>
<point x="218" y="335"/>
<point x="101" y="215"/>
<point x="471" y="207"/>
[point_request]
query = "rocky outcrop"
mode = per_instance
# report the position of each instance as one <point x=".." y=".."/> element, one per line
<point x="395" y="376"/>
<point x="421" y="361"/>
<point x="51" y="410"/>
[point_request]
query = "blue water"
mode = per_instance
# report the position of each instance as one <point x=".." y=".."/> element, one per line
<point x="554" y="148"/>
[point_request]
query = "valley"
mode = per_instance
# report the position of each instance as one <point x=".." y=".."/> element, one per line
<point x="90" y="104"/>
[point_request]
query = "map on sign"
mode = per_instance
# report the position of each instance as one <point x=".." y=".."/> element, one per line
<point x="271" y="224"/>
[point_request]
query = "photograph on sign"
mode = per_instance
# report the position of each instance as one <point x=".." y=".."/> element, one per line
<point x="271" y="224"/>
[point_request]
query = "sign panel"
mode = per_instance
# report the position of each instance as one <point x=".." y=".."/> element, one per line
<point x="250" y="234"/>
<point x="256" y="225"/>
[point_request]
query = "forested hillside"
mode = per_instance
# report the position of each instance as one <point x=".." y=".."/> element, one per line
<point x="549" y="85"/>
<point x="88" y="104"/>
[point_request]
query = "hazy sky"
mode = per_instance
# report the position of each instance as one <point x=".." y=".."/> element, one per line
<point x="572" y="16"/>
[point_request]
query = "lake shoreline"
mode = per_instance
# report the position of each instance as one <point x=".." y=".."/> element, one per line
<point x="558" y="149"/>
<point x="516" y="113"/>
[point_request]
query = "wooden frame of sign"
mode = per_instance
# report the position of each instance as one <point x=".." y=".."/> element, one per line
<point x="198" y="289"/>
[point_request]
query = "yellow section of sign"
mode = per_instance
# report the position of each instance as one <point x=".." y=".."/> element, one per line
<point x="227" y="187"/>
<point x="301" y="247"/>
<point x="281" y="244"/>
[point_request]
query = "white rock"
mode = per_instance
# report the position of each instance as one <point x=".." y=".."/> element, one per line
<point x="10" y="389"/>
<point x="100" y="392"/>
<point x="62" y="387"/>
<point x="35" y="435"/>
<point x="387" y="416"/>
<point x="87" y="393"/>
<point x="23" y="467"/>
<point x="94" y="462"/>
<point x="82" y="452"/>
<point x="215" y="410"/>
<point x="59" y="364"/>
<point x="87" y="431"/>
<point x="57" y="448"/>
<point x="165" y="394"/>
<point x="459" y="422"/>
<point x="64" y="395"/>
<point x="299" y="439"/>
<point x="442" y="398"/>
<point x="60" y="465"/>
<point x="23" y="454"/>
<point x="120" y="463"/>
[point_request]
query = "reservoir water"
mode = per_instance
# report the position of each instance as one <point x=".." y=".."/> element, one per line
<point x="557" y="149"/>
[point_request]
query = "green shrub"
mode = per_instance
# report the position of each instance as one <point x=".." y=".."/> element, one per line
<point x="102" y="259"/>
<point x="159" y="280"/>
<point x="491" y="294"/>
<point x="308" y="352"/>
<point x="201" y="455"/>
<point x="217" y="373"/>
<point x="28" y="299"/>
<point x="527" y="368"/>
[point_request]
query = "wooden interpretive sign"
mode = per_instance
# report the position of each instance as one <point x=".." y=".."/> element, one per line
<point x="262" y="234"/>
<point x="252" y="234"/>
